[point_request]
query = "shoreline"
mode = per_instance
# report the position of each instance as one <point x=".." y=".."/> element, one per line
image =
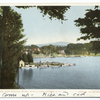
<point x="66" y="56"/>
<point x="51" y="64"/>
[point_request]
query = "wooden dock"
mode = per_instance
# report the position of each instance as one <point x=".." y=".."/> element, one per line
<point x="48" y="64"/>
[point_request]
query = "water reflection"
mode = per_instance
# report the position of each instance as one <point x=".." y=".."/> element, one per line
<point x="27" y="74"/>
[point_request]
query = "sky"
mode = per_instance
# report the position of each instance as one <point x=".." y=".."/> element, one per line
<point x="41" y="30"/>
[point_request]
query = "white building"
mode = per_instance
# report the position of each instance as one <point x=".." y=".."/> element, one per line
<point x="61" y="52"/>
<point x="21" y="63"/>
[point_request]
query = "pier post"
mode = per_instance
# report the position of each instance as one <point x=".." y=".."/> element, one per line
<point x="18" y="74"/>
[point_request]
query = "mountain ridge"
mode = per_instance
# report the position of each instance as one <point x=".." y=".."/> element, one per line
<point x="54" y="43"/>
<point x="61" y="43"/>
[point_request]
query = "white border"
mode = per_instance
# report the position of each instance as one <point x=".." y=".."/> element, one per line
<point x="49" y="93"/>
<point x="48" y="1"/>
<point x="52" y="4"/>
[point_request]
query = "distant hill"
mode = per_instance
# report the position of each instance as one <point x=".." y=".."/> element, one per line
<point x="55" y="44"/>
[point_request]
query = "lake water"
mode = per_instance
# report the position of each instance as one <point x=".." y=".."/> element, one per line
<point x="85" y="75"/>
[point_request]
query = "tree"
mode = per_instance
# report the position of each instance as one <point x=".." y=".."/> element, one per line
<point x="30" y="58"/>
<point x="90" y="25"/>
<point x="1" y="38"/>
<point x="31" y="47"/>
<point x="49" y="49"/>
<point x="36" y="52"/>
<point x="89" y="47"/>
<point x="44" y="49"/>
<point x="52" y="48"/>
<point x="78" y="48"/>
<point x="74" y="48"/>
<point x="95" y="46"/>
<point x="24" y="57"/>
<point x="34" y="46"/>
<point x="53" y="11"/>
<point x="12" y="47"/>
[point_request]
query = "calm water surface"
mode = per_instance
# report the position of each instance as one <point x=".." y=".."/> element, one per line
<point x="85" y="75"/>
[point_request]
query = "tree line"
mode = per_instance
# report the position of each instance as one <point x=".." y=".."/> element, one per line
<point x="71" y="48"/>
<point x="27" y="58"/>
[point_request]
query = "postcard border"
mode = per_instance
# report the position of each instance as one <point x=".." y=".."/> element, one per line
<point x="50" y="93"/>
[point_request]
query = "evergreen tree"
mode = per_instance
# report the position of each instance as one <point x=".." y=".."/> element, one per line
<point x="24" y="57"/>
<point x="30" y="58"/>
<point x="12" y="47"/>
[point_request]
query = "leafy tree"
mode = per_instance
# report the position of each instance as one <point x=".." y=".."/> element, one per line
<point x="11" y="47"/>
<point x="52" y="48"/>
<point x="44" y="49"/>
<point x="89" y="47"/>
<point x="95" y="46"/>
<point x="74" y="48"/>
<point x="36" y="52"/>
<point x="34" y="46"/>
<point x="68" y="51"/>
<point x="79" y="48"/>
<point x="49" y="49"/>
<point x="90" y="25"/>
<point x="31" y="47"/>
<point x="54" y="11"/>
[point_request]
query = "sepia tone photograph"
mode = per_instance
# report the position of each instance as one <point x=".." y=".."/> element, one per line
<point x="50" y="47"/>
